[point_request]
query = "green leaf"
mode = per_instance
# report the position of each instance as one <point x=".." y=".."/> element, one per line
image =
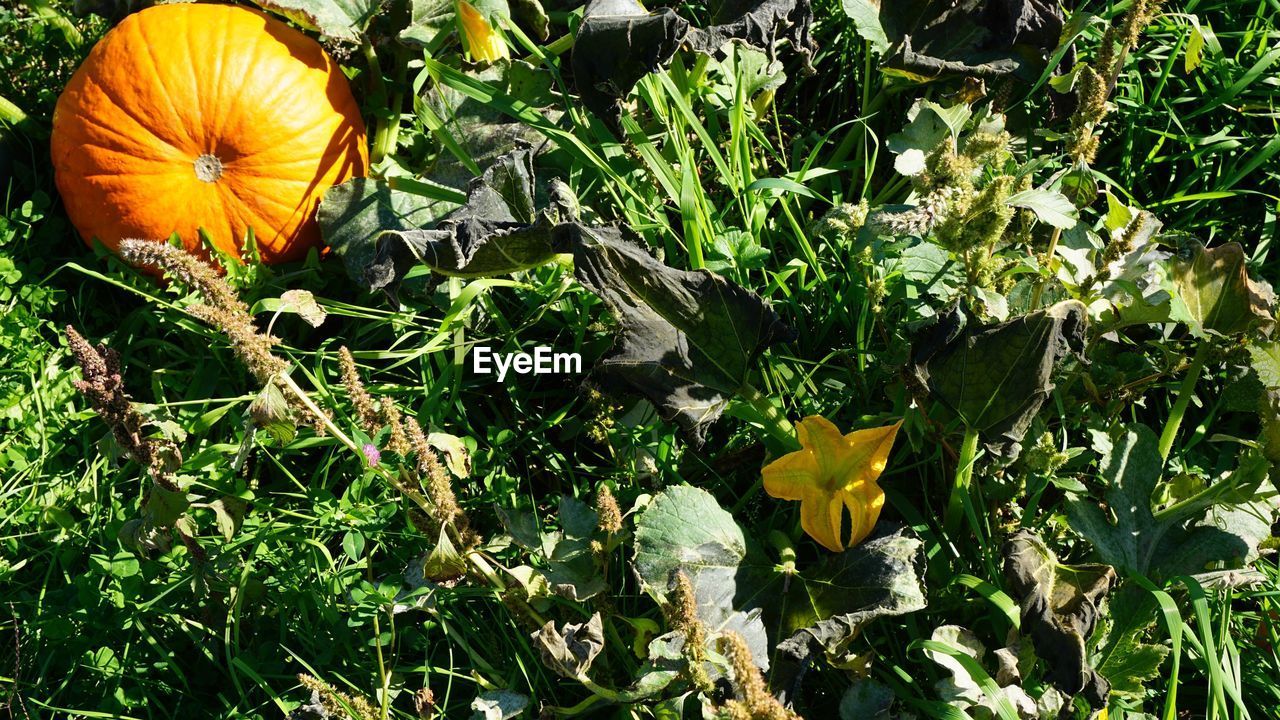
<point x="165" y="505"/>
<point x="866" y="20"/>
<point x="685" y="530"/>
<point x="1061" y="605"/>
<point x="925" y="131"/>
<point x="1051" y="207"/>
<point x="229" y="513"/>
<point x="337" y="19"/>
<point x="1213" y="294"/>
<point x="427" y="19"/>
<point x="352" y="216"/>
<point x="443" y="562"/>
<point x="1265" y="360"/>
<point x="929" y="269"/>
<point x="687" y="339"/>
<point x="271" y="413"/>
<point x="353" y="545"/>
<point x="1140" y="542"/>
<point x="996" y="377"/>
<point x="1125" y="660"/>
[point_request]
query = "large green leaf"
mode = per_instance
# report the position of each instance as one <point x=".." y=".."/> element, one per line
<point x="1212" y="292"/>
<point x="996" y="377"/>
<point x="337" y="19"/>
<point x="352" y="216"/>
<point x="685" y="530"/>
<point x="1181" y="540"/>
<point x="1061" y="606"/>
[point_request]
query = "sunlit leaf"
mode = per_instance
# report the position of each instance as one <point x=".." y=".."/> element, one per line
<point x="996" y="377"/>
<point x="1213" y="292"/>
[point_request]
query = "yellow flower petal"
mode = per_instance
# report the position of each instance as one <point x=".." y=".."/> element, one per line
<point x="820" y="518"/>
<point x="787" y="477"/>
<point x="479" y="38"/>
<point x="834" y="476"/>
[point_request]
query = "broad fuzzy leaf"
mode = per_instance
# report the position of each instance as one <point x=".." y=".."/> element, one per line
<point x="337" y="19"/>
<point x="996" y="377"/>
<point x="1177" y="542"/>
<point x="1212" y="292"/>
<point x="685" y="530"/>
<point x="1061" y="605"/>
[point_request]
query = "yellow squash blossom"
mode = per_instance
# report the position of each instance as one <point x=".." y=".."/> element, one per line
<point x="480" y="39"/>
<point x="831" y="474"/>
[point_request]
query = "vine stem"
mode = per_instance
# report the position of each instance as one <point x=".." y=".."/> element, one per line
<point x="774" y="420"/>
<point x="377" y="88"/>
<point x="964" y="477"/>
<point x="1048" y="263"/>
<point x="1185" y="392"/>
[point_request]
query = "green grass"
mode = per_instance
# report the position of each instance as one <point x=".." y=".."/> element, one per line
<point x="88" y="628"/>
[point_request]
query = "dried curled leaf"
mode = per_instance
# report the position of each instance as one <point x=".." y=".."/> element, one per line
<point x="1061" y="606"/>
<point x="1213" y="292"/>
<point x="572" y="648"/>
<point x="831" y="604"/>
<point x="495" y="233"/>
<point x="619" y="42"/>
<point x="996" y="377"/>
<point x="352" y="216"/>
<point x="687" y="339"/>
<point x="924" y="40"/>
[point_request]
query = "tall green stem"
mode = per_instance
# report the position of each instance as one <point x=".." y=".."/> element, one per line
<point x="773" y="419"/>
<point x="1184" y="399"/>
<point x="960" y="489"/>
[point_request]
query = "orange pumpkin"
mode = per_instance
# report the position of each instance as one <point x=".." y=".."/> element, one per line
<point x="195" y="116"/>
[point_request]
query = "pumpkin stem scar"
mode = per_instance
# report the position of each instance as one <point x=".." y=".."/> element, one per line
<point x="208" y="168"/>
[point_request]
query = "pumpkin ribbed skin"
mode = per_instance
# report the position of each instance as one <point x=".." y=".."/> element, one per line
<point x="195" y="116"/>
